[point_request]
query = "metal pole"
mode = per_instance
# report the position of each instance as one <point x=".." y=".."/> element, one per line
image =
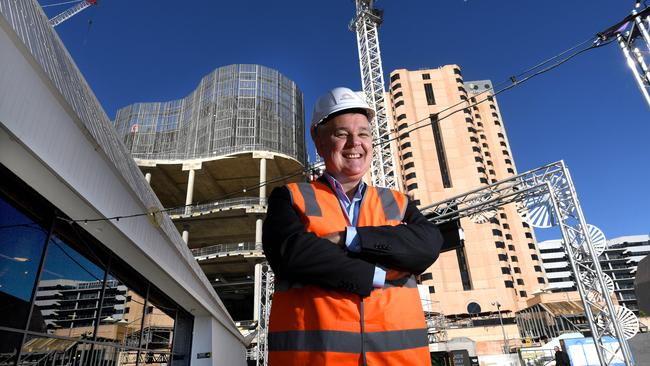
<point x="631" y="64"/>
<point x="506" y="347"/>
<point x="642" y="28"/>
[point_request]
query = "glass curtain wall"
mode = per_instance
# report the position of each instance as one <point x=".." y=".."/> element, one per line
<point x="65" y="299"/>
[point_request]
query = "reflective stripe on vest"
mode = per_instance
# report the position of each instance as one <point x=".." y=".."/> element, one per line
<point x="348" y="342"/>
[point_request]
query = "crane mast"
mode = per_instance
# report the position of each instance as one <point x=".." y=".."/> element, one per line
<point x="72" y="11"/>
<point x="365" y="25"/>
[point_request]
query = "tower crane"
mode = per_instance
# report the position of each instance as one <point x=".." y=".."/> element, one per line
<point x="72" y="11"/>
<point x="366" y="23"/>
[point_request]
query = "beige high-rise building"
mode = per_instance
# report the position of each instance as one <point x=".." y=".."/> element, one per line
<point x="441" y="154"/>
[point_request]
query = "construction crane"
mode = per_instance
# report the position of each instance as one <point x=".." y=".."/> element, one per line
<point x="72" y="11"/>
<point x="365" y="24"/>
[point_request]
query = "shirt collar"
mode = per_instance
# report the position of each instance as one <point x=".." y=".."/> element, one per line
<point x="340" y="193"/>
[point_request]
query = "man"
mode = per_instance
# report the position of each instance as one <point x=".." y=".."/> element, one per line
<point x="561" y="358"/>
<point x="344" y="254"/>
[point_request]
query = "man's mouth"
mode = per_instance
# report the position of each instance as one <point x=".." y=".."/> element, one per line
<point x="352" y="156"/>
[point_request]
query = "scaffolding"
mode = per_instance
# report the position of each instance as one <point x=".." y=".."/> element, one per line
<point x="546" y="197"/>
<point x="235" y="108"/>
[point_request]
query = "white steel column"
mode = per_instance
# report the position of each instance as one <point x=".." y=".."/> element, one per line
<point x="260" y="221"/>
<point x="189" y="195"/>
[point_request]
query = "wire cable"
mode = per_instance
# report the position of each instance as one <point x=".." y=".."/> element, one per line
<point x="61" y="3"/>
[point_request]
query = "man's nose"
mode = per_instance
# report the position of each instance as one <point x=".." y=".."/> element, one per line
<point x="354" y="140"/>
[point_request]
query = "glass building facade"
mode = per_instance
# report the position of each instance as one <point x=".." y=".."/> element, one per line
<point x="235" y="108"/>
<point x="65" y="299"/>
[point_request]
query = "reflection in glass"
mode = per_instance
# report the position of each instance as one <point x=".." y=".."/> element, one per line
<point x="9" y="345"/>
<point x="69" y="291"/>
<point x="21" y="247"/>
<point x="53" y="351"/>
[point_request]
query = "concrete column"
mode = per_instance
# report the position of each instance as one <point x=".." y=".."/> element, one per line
<point x="190" y="190"/>
<point x="262" y="178"/>
<point x="259" y="222"/>
<point x="258" y="233"/>
<point x="147" y="177"/>
<point x="186" y="233"/>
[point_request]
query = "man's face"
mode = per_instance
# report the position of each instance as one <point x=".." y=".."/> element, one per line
<point x="345" y="143"/>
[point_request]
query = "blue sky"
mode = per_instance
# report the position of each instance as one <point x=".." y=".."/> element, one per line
<point x="588" y="112"/>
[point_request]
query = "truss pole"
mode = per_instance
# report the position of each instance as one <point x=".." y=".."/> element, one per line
<point x="642" y="28"/>
<point x="372" y="80"/>
<point x="595" y="263"/>
<point x="632" y="62"/>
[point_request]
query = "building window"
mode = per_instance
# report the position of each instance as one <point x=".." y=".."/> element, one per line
<point x="534" y="257"/>
<point x="509" y="236"/>
<point x="500" y="244"/>
<point x="528" y="235"/>
<point x="497" y="232"/>
<point x="480" y="169"/>
<point x="432" y="290"/>
<point x="440" y="151"/>
<point x="509" y="284"/>
<point x="503" y="216"/>
<point x="520" y="282"/>
<point x="523" y="294"/>
<point x="514" y="258"/>
<point x="426" y="276"/>
<point x="541" y="280"/>
<point x="428" y="91"/>
<point x="463" y="267"/>
<point x="426" y="76"/>
<point x="410" y="176"/>
<point x="483" y="180"/>
<point x="399" y="103"/>
<point x="538" y="268"/>
<point x="456" y="71"/>
<point x="404" y="135"/>
<point x="397" y="95"/>
<point x="83" y="277"/>
<point x="511" y="247"/>
<point x="401" y="117"/>
<point x="409" y="165"/>
<point x="497" y="123"/>
<point x="524" y="224"/>
<point x="394" y="77"/>
<point x="402" y="126"/>
<point x="531" y="245"/>
<point x="506" y="226"/>
<point x="405" y="145"/>
<point x="517" y="270"/>
<point x="412" y="186"/>
<point x="503" y="258"/>
<point x="407" y="155"/>
<point x="505" y="270"/>
<point x="396" y="86"/>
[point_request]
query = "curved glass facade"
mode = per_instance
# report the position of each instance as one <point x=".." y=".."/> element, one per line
<point x="235" y="108"/>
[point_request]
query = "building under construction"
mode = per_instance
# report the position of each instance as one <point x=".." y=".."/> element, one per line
<point x="212" y="157"/>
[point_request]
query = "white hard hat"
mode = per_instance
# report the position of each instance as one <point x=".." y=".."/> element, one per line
<point x="336" y="100"/>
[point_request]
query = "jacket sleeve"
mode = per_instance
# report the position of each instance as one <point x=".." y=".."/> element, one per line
<point x="412" y="246"/>
<point x="296" y="255"/>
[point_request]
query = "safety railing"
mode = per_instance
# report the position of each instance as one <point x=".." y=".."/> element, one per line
<point x="207" y="208"/>
<point x="228" y="248"/>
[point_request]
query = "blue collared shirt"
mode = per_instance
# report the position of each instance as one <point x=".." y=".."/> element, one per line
<point x="350" y="209"/>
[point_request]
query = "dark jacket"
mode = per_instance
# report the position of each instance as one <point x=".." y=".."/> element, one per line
<point x="562" y="359"/>
<point x="296" y="255"/>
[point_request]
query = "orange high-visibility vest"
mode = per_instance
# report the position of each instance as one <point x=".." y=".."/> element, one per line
<point x="311" y="325"/>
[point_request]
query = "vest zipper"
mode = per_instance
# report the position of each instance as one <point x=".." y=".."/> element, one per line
<point x="363" y="351"/>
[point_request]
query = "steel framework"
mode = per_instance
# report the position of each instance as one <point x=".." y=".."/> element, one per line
<point x="72" y="11"/>
<point x="366" y="24"/>
<point x="550" y="190"/>
<point x="264" y="292"/>
<point x="632" y="36"/>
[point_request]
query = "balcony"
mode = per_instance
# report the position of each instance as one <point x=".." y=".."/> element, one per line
<point x="252" y="204"/>
<point x="223" y="250"/>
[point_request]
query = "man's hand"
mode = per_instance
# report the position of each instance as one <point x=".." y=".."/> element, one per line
<point x="337" y="238"/>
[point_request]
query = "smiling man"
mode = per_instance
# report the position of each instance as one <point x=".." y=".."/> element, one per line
<point x="345" y="253"/>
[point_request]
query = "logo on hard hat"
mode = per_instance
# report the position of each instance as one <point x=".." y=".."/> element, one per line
<point x="346" y="96"/>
